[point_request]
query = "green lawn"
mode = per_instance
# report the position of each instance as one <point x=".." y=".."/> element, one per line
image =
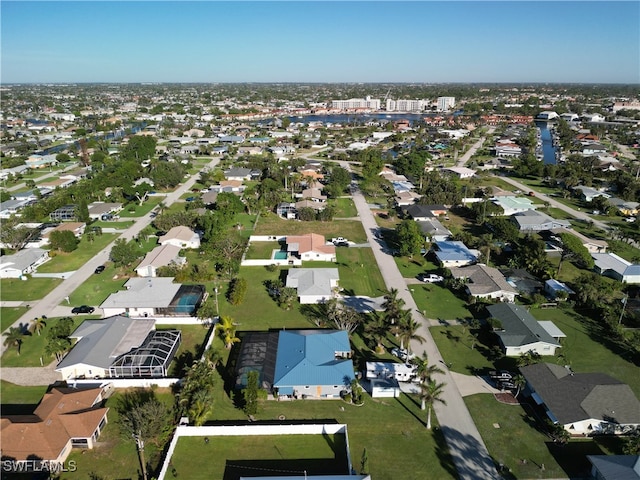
<point x="517" y="439"/>
<point x="454" y="344"/>
<point x="19" y="400"/>
<point x="33" y="346"/>
<point x="345" y="208"/>
<point x="262" y="250"/>
<point x="392" y="430"/>
<point x="97" y="288"/>
<point x="242" y="455"/>
<point x="193" y="338"/>
<point x="586" y="350"/>
<point x="66" y="262"/>
<point x="259" y="311"/>
<point x="411" y="267"/>
<point x="136" y="210"/>
<point x="359" y="273"/>
<point x="436" y="301"/>
<point x="271" y="224"/>
<point x="14" y="289"/>
<point x="117" y="225"/>
<point x="8" y="315"/>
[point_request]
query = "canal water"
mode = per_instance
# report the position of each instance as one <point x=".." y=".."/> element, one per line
<point x="548" y="150"/>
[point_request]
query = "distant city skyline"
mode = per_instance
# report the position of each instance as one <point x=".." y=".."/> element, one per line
<point x="318" y="42"/>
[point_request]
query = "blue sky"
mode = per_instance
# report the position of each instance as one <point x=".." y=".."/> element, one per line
<point x="333" y="41"/>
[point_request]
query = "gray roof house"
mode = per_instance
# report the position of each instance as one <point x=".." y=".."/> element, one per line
<point x="238" y="173"/>
<point x="161" y="256"/>
<point x="103" y="344"/>
<point x="534" y="221"/>
<point x="314" y="285"/>
<point x="615" y="467"/>
<point x="521" y="332"/>
<point x="616" y="267"/>
<point x="583" y="403"/>
<point x="22" y="263"/>
<point x="434" y="230"/>
<point x="485" y="282"/>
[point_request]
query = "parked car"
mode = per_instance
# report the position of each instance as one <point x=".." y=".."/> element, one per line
<point x="99" y="269"/>
<point x="341" y="244"/>
<point x="82" y="309"/>
<point x="505" y="384"/>
<point x="430" y="278"/>
<point x="402" y="354"/>
<point x="501" y="375"/>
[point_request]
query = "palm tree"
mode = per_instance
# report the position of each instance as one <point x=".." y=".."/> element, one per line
<point x="376" y="330"/>
<point x="519" y="382"/>
<point x="392" y="306"/>
<point x="228" y="331"/>
<point x="56" y="347"/>
<point x="38" y="325"/>
<point x="409" y="332"/>
<point x="201" y="407"/>
<point x="13" y="338"/>
<point x="424" y="371"/>
<point x="430" y="393"/>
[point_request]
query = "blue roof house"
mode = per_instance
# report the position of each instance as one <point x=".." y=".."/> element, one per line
<point x="453" y="254"/>
<point x="313" y="364"/>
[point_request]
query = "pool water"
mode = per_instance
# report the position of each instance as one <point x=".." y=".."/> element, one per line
<point x="279" y="255"/>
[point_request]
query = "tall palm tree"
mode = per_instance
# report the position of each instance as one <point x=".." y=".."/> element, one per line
<point x="430" y="393"/>
<point x="392" y="306"/>
<point x="409" y="332"/>
<point x="13" y="338"/>
<point x="424" y="371"/>
<point x="376" y="329"/>
<point x="38" y="325"/>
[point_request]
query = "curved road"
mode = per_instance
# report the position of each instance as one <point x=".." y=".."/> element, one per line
<point x="50" y="304"/>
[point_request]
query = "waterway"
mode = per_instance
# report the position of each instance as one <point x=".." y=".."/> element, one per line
<point x="548" y="149"/>
<point x="76" y="144"/>
<point x="364" y="118"/>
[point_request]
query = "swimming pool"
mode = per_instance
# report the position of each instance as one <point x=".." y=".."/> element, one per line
<point x="280" y="255"/>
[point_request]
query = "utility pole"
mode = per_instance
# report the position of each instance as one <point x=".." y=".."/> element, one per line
<point x="624" y="304"/>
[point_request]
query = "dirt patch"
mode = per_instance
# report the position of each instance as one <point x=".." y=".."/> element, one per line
<point x="506" y="397"/>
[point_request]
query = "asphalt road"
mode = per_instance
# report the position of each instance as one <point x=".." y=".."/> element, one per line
<point x="469" y="453"/>
<point x="51" y="306"/>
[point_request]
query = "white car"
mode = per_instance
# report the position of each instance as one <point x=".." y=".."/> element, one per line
<point x="402" y="354"/>
<point x="430" y="278"/>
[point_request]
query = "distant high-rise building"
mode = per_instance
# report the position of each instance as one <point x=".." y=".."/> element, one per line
<point x="406" y="105"/>
<point x="446" y="103"/>
<point x="368" y="103"/>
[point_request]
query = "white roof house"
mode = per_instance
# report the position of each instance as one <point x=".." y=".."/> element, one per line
<point x="461" y="172"/>
<point x="314" y="285"/>
<point x="142" y="297"/>
<point x="161" y="256"/>
<point x="182" y="237"/>
<point x="512" y="204"/>
<point x="22" y="263"/>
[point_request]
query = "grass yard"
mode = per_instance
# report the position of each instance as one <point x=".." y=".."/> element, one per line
<point x="518" y="439"/>
<point x="19" y="400"/>
<point x="33" y="346"/>
<point x="97" y="288"/>
<point x="237" y="456"/>
<point x="411" y="267"/>
<point x="392" y="430"/>
<point x="345" y="208"/>
<point x="193" y="339"/>
<point x="271" y="224"/>
<point x="586" y="350"/>
<point x="262" y="250"/>
<point x="359" y="273"/>
<point x="136" y="210"/>
<point x="246" y="223"/>
<point x="66" y="262"/>
<point x="454" y="344"/>
<point x="117" y="225"/>
<point x="259" y="311"/>
<point x="8" y="315"/>
<point x="439" y="302"/>
<point x="14" y="289"/>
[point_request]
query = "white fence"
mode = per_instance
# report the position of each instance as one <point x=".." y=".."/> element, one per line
<point x="248" y="430"/>
<point x="264" y="263"/>
<point x="267" y="238"/>
<point x="124" y="382"/>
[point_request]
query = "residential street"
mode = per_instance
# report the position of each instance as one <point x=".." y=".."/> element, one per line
<point x="50" y="304"/>
<point x="468" y="451"/>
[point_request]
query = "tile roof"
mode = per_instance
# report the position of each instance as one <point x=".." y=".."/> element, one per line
<point x="311" y="242"/>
